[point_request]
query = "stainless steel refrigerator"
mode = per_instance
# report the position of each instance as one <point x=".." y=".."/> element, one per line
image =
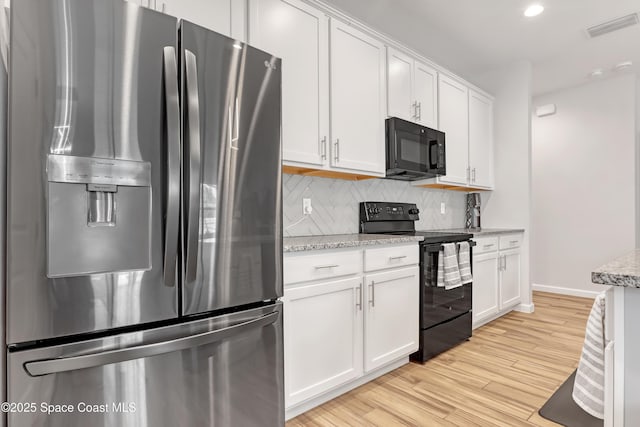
<point x="144" y="221"/>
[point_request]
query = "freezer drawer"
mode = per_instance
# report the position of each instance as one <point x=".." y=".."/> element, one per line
<point x="223" y="371"/>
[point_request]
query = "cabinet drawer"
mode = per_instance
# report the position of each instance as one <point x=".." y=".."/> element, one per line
<point x="510" y="241"/>
<point x="322" y="265"/>
<point x="485" y="244"/>
<point x="391" y="257"/>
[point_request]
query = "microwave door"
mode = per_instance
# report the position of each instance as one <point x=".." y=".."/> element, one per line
<point x="411" y="152"/>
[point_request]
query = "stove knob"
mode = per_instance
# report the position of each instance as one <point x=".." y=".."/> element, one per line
<point x="414" y="211"/>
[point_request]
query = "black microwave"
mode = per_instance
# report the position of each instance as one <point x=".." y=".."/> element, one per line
<point x="414" y="151"/>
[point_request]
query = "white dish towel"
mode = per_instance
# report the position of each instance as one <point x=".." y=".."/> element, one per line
<point x="451" y="274"/>
<point x="588" y="388"/>
<point x="464" y="261"/>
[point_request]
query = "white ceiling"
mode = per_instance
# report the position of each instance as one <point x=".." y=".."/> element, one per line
<point x="472" y="37"/>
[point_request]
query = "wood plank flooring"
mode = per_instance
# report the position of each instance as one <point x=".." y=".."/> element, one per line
<point x="501" y="377"/>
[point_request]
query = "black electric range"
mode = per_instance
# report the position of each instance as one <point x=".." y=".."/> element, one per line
<point x="445" y="315"/>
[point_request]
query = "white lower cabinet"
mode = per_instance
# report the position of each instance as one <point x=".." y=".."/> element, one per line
<point x="485" y="286"/>
<point x="510" y="278"/>
<point x="391" y="332"/>
<point x="322" y="337"/>
<point x="496" y="276"/>
<point x="349" y="325"/>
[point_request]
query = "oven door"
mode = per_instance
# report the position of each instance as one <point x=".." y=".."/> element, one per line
<point x="438" y="304"/>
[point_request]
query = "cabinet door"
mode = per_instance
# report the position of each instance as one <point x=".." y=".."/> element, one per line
<point x="400" y="96"/>
<point x="453" y="114"/>
<point x="485" y="286"/>
<point x="357" y="101"/>
<point x="425" y="88"/>
<point x="299" y="34"/>
<point x="391" y="316"/>
<point x="223" y="16"/>
<point x="510" y="278"/>
<point x="481" y="140"/>
<point x="322" y="337"/>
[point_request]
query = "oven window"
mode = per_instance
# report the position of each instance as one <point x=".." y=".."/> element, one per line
<point x="435" y="298"/>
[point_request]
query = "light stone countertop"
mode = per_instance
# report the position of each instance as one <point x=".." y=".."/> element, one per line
<point x="483" y="231"/>
<point x="623" y="271"/>
<point x="335" y="241"/>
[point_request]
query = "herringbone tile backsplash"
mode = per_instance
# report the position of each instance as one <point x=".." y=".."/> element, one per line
<point x="336" y="202"/>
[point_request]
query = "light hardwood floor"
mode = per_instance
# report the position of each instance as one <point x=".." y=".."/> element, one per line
<point x="501" y="377"/>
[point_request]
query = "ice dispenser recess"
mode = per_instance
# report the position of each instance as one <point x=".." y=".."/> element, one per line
<point x="98" y="217"/>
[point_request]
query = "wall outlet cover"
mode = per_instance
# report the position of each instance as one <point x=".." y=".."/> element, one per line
<point x="443" y="208"/>
<point x="306" y="206"/>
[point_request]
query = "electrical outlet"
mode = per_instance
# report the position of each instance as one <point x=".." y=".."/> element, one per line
<point x="306" y="206"/>
<point x="443" y="208"/>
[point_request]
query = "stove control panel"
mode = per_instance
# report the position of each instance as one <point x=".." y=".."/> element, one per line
<point x="383" y="211"/>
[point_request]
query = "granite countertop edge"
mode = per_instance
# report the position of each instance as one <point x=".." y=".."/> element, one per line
<point x="483" y="232"/>
<point x="312" y="243"/>
<point x="623" y="271"/>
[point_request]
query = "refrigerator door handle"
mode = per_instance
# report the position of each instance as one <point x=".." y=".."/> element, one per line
<point x="173" y="165"/>
<point x="52" y="366"/>
<point x="193" y="126"/>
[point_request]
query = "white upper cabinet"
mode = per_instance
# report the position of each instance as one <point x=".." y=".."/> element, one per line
<point x="466" y="117"/>
<point x="454" y="122"/>
<point x="297" y="33"/>
<point x="400" y="71"/>
<point x="426" y="92"/>
<point x="357" y="101"/>
<point x="411" y="89"/>
<point x="227" y="17"/>
<point x="480" y="140"/>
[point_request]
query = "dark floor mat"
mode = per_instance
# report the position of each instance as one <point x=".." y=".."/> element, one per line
<point x="561" y="408"/>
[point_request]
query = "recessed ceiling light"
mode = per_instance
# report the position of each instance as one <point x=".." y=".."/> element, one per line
<point x="534" y="10"/>
<point x="622" y="66"/>
<point x="598" y="72"/>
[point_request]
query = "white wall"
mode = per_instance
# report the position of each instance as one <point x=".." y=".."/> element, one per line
<point x="509" y="205"/>
<point x="584" y="183"/>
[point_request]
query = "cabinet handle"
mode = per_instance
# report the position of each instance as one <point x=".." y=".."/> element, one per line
<point x="513" y="242"/>
<point x="373" y="294"/>
<point x="469" y="173"/>
<point x="487" y="246"/>
<point x="474" y="174"/>
<point x="504" y="262"/>
<point x="359" y="301"/>
<point x="323" y="148"/>
<point x="164" y="7"/>
<point x="337" y="150"/>
<point x="398" y="257"/>
<point x="419" y="113"/>
<point x="320" y="267"/>
<point x="415" y="109"/>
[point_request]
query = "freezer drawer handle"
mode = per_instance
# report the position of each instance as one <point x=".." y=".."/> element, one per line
<point x="52" y="366"/>
<point x="173" y="165"/>
<point x="193" y="126"/>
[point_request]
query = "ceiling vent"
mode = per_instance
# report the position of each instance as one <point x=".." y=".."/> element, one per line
<point x="613" y="25"/>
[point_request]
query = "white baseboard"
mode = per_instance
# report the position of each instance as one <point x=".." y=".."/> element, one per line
<point x="565" y="291"/>
<point x="525" y="308"/>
